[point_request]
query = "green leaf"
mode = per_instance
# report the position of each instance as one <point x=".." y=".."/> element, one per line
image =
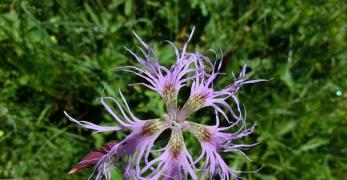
<point x="312" y="144"/>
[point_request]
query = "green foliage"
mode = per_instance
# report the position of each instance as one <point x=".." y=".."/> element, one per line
<point x="59" y="55"/>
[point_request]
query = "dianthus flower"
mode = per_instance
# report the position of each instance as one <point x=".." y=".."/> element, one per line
<point x="132" y="154"/>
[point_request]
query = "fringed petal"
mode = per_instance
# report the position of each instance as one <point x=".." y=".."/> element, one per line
<point x="166" y="82"/>
<point x="173" y="162"/>
<point x="134" y="147"/>
<point x="203" y="95"/>
<point x="213" y="140"/>
<point x="92" y="126"/>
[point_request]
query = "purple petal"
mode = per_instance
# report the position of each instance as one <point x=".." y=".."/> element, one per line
<point x="173" y="161"/>
<point x="213" y="140"/>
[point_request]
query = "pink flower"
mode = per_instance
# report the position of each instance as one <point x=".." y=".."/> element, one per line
<point x="174" y="161"/>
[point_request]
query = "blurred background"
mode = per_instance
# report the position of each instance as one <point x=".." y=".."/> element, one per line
<point x="59" y="55"/>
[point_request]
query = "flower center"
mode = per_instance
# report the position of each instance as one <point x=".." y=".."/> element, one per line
<point x="201" y="132"/>
<point x="170" y="98"/>
<point x="151" y="127"/>
<point x="195" y="102"/>
<point x="176" y="143"/>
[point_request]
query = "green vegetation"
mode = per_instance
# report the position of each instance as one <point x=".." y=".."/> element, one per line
<point x="59" y="55"/>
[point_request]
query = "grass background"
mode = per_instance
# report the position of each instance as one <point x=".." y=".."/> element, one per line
<point x="58" y="55"/>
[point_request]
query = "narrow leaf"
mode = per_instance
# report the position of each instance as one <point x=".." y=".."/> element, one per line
<point x="93" y="157"/>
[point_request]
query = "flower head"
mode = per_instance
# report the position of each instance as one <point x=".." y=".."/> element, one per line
<point x="174" y="161"/>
